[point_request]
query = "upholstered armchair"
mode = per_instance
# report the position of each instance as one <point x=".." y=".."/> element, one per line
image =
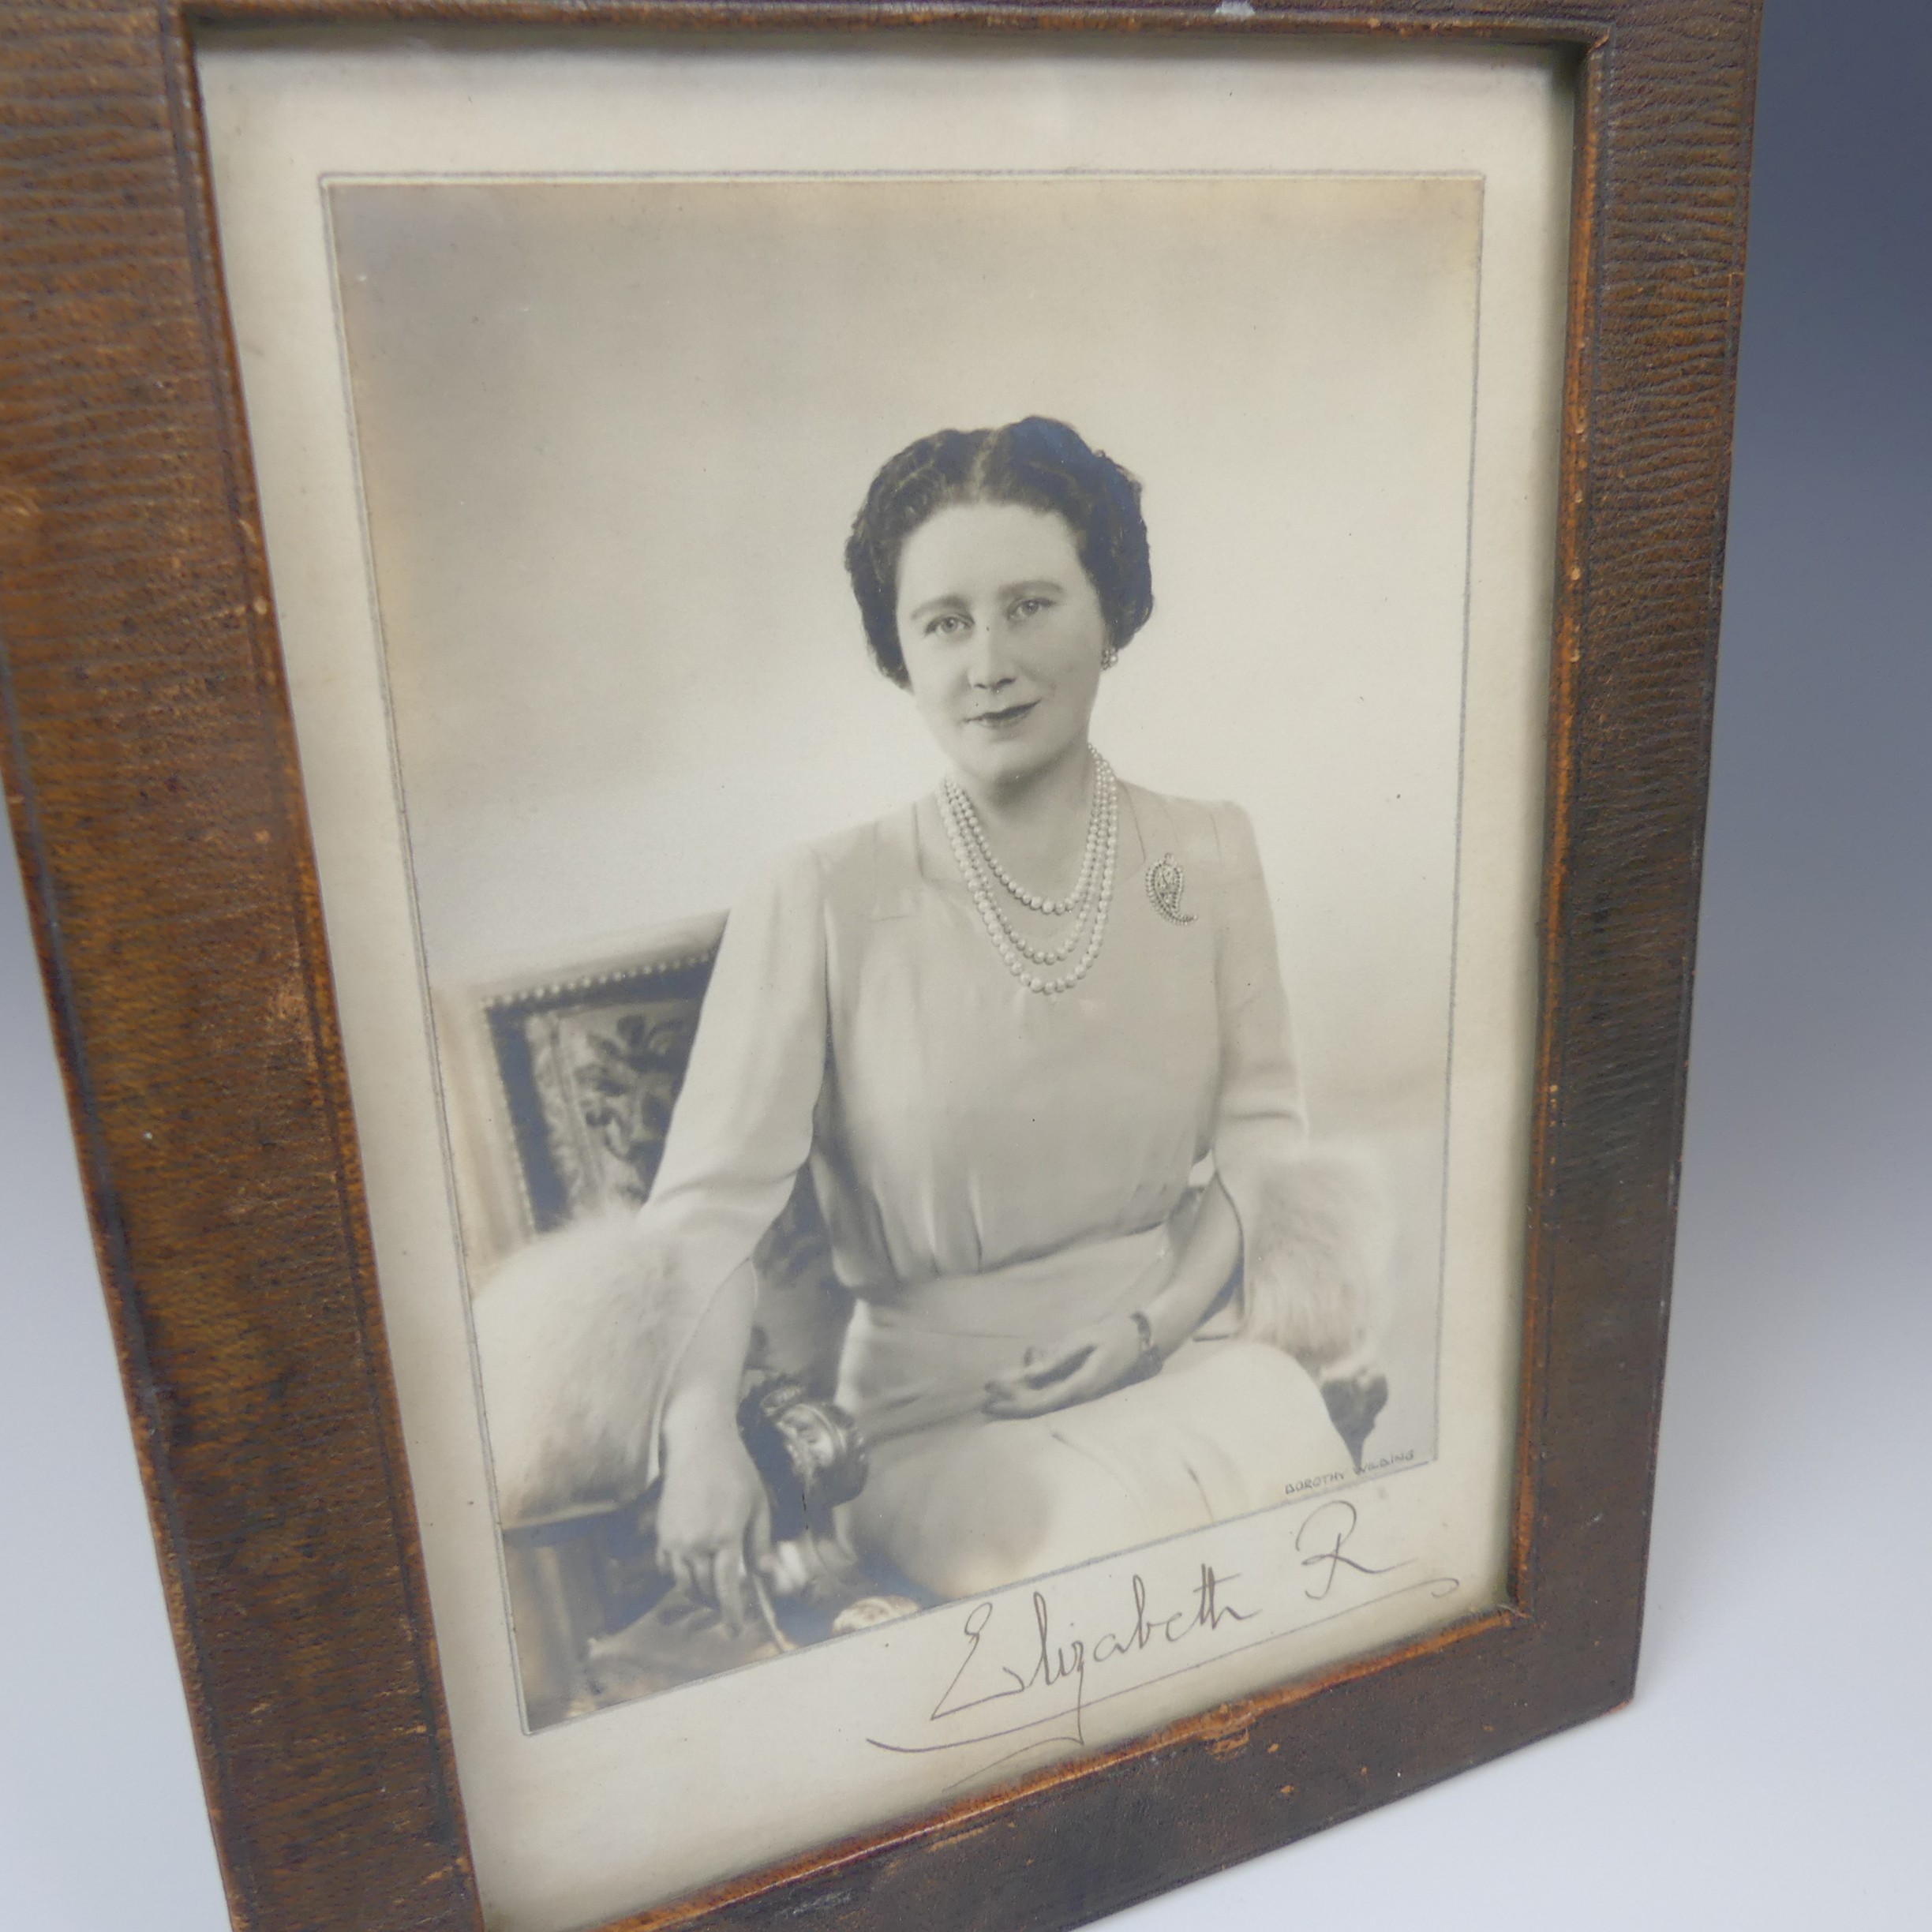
<point x="563" y="1086"/>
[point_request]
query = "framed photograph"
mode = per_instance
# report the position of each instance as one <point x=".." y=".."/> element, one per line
<point x="868" y="847"/>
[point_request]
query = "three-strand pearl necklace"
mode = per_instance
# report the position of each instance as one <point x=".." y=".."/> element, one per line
<point x="1088" y="904"/>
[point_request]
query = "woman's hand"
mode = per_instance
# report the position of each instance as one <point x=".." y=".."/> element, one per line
<point x="714" y="1518"/>
<point x="1078" y="1367"/>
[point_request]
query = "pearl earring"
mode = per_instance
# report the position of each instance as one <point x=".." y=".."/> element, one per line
<point x="1109" y="656"/>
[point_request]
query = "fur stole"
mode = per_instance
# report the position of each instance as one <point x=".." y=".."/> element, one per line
<point x="1317" y="1238"/>
<point x="577" y="1335"/>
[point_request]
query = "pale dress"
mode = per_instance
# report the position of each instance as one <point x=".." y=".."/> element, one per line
<point x="996" y="1168"/>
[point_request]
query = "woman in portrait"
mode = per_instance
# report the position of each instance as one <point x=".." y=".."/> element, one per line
<point x="1028" y="1037"/>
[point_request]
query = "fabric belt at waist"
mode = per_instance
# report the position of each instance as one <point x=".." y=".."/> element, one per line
<point x="924" y="1356"/>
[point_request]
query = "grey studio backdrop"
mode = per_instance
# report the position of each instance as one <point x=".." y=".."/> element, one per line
<point x="1774" y="1770"/>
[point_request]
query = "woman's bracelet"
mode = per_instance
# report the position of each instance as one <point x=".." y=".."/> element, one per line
<point x="1151" y="1357"/>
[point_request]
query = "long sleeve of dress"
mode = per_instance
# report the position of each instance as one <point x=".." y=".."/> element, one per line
<point x="1261" y="1119"/>
<point x="580" y="1335"/>
<point x="1309" y="1217"/>
<point x="742" y="1126"/>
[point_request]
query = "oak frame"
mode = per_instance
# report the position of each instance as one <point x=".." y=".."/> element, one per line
<point x="156" y="802"/>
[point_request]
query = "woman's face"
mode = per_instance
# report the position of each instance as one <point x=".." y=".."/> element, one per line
<point x="1002" y="632"/>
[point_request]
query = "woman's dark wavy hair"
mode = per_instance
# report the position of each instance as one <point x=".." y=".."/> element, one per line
<point x="1041" y="463"/>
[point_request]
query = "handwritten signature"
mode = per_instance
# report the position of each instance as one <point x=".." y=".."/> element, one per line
<point x="1339" y="1520"/>
<point x="1055" y="1661"/>
<point x="1052" y="1660"/>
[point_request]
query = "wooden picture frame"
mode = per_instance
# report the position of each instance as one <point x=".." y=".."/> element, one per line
<point x="158" y="806"/>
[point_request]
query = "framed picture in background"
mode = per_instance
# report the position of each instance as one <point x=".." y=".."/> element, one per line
<point x="868" y="851"/>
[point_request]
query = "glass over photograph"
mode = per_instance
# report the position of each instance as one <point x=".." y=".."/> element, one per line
<point x="923" y="719"/>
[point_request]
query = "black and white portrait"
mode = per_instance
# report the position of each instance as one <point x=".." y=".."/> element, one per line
<point x="971" y="1217"/>
<point x="927" y="785"/>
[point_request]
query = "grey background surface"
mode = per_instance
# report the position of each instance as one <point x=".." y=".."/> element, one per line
<point x="1774" y="1770"/>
